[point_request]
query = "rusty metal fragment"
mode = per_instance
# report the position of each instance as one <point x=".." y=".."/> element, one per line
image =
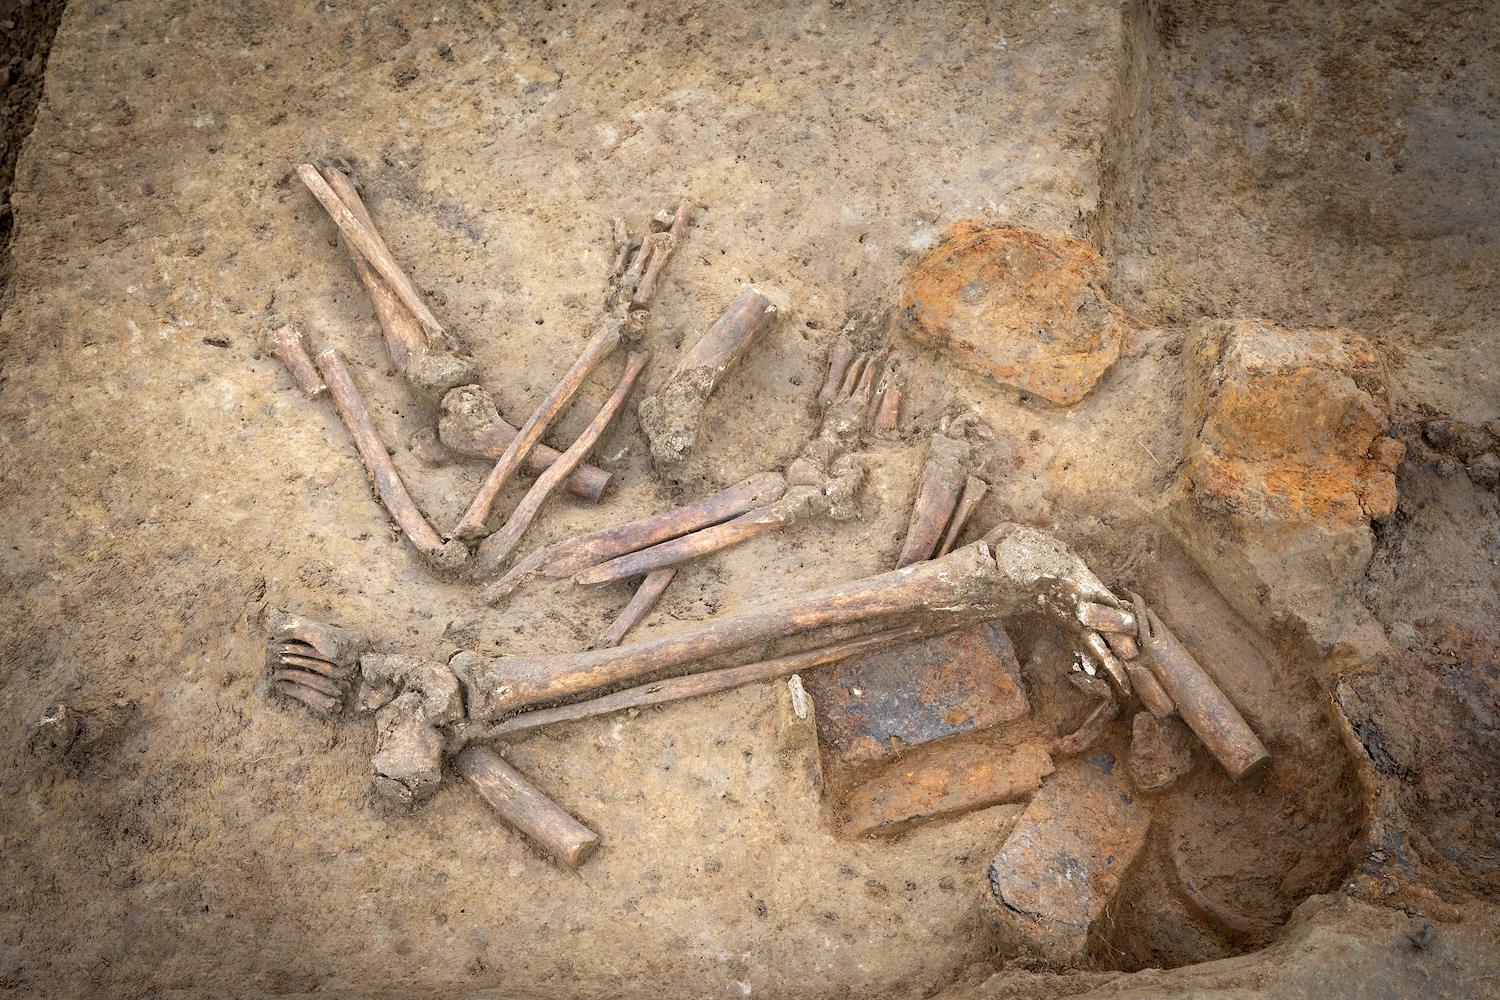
<point x="1064" y="861"/>
<point x="949" y="780"/>
<point x="879" y="705"/>
<point x="1200" y="702"/>
<point x="672" y="416"/>
<point x="559" y="835"/>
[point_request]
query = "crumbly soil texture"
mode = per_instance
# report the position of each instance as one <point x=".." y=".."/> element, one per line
<point x="165" y="829"/>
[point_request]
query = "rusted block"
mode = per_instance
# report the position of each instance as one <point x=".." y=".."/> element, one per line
<point x="1064" y="861"/>
<point x="950" y="780"/>
<point x="877" y="706"/>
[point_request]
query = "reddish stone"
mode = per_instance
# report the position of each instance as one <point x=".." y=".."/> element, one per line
<point x="1159" y="751"/>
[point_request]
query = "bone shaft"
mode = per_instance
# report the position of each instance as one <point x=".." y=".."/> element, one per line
<point x="1203" y="705"/>
<point x="645" y="598"/>
<point x="1112" y="665"/>
<point x="367" y="244"/>
<point x="1150" y="691"/>
<point x="491" y="441"/>
<point x="403" y="334"/>
<point x="601" y="546"/>
<point x="1089" y="733"/>
<point x="568" y="841"/>
<point x="378" y="464"/>
<point x="678" y="550"/>
<point x="838" y="363"/>
<point x="731" y="335"/>
<point x="1103" y="618"/>
<point x="664" y="247"/>
<point x="1123" y="645"/>
<point x="888" y="416"/>
<point x="498" y="547"/>
<point x="961" y="584"/>
<point x="291" y="348"/>
<point x="974" y="491"/>
<point x="709" y="682"/>
<point x="600" y="347"/>
<point x="937" y="495"/>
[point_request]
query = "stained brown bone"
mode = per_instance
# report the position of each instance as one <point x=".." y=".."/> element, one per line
<point x="1200" y="702"/>
<point x="403" y="334"/>
<point x="1150" y="691"/>
<point x="838" y="364"/>
<point x="307" y="678"/>
<point x="471" y="426"/>
<point x="498" y="547"/>
<point x="694" y="685"/>
<point x="337" y="645"/>
<point x="944" y="474"/>
<point x="446" y="556"/>
<point x="561" y="836"/>
<point x="798" y="504"/>
<point x="664" y="245"/>
<point x="641" y="603"/>
<point x="974" y="491"/>
<point x="1087" y="734"/>
<point x="1103" y="618"/>
<point x="618" y="320"/>
<point x="671" y="416"/>
<point x="575" y="554"/>
<point x="368" y="244"/>
<point x="888" y="416"/>
<point x="291" y="348"/>
<point x="1112" y="666"/>
<point x="1010" y="569"/>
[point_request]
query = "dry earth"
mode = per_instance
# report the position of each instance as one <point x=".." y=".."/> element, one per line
<point x="165" y="483"/>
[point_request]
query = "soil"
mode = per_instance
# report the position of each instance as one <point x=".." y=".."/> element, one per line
<point x="166" y="484"/>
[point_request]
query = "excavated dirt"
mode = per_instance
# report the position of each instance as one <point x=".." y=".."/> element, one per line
<point x="166" y="484"/>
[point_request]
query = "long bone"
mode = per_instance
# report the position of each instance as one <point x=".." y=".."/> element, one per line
<point x="472" y="427"/>
<point x="1012" y="569"/>
<point x="624" y="293"/>
<point x="498" y="547"/>
<point x="440" y="554"/>
<point x="645" y="598"/>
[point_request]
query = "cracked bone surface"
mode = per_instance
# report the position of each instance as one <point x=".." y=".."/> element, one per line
<point x="471" y="426"/>
<point x="1013" y="569"/>
<point x="672" y="415"/>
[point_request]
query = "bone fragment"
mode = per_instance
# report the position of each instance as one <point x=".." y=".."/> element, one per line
<point x="368" y="244"/>
<point x="471" y="426"/>
<point x="312" y="663"/>
<point x="671" y="417"/>
<point x="1150" y="691"/>
<point x="408" y="761"/>
<point x="798" y="503"/>
<point x="974" y="491"/>
<point x="403" y="334"/>
<point x="1011" y="569"/>
<point x="1200" y="702"/>
<point x="308" y="679"/>
<point x="1086" y="676"/>
<point x="1112" y="666"/>
<point x="320" y="703"/>
<point x="838" y="364"/>
<point x="291" y="348"/>
<point x="665" y="243"/>
<point x="946" y="469"/>
<point x="693" y="685"/>
<point x="640" y="605"/>
<point x="498" y="547"/>
<point x="1103" y="618"/>
<point x="887" y="418"/>
<point x="446" y="556"/>
<point x="1123" y="645"/>
<point x="1086" y="735"/>
<point x="561" y="836"/>
<point x="337" y="645"/>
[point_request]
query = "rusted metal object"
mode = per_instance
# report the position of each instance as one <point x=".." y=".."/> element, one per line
<point x="471" y="426"/>
<point x="497" y="548"/>
<point x="641" y="603"/>
<point x="369" y="245"/>
<point x="1009" y="570"/>
<point x="797" y="505"/>
<point x="1065" y="860"/>
<point x="1200" y="702"/>
<point x="695" y="685"/>
<point x="882" y="704"/>
<point x="974" y="491"/>
<point x="623" y="316"/>
<point x="672" y="416"/>
<point x="291" y="347"/>
<point x="445" y="556"/>
<point x="942" y="477"/>
<point x="948" y="781"/>
<point x="1159" y="753"/>
<point x="559" y="835"/>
